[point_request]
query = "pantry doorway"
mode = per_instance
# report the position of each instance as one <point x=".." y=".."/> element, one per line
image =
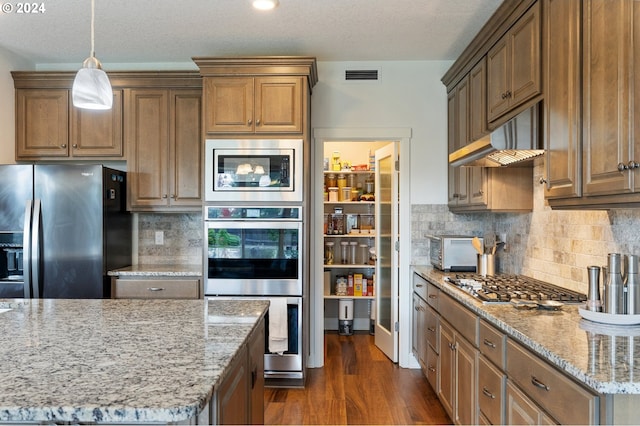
<point x="383" y="312"/>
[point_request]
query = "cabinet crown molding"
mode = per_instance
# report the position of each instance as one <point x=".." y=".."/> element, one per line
<point x="259" y="66"/>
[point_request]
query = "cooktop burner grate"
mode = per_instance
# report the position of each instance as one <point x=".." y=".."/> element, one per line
<point x="504" y="288"/>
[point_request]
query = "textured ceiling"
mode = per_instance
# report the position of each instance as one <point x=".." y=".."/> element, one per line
<point x="161" y="31"/>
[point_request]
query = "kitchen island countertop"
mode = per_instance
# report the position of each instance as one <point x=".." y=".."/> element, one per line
<point x="152" y="270"/>
<point x="117" y="360"/>
<point x="600" y="356"/>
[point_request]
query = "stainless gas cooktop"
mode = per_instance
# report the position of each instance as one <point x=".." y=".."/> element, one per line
<point x="505" y="288"/>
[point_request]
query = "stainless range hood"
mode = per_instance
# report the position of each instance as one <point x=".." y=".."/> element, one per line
<point x="513" y="143"/>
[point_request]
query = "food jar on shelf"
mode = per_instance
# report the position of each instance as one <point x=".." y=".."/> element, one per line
<point x="331" y="180"/>
<point x="367" y="222"/>
<point x="369" y="185"/>
<point x="329" y="254"/>
<point x="341" y="285"/>
<point x="346" y="193"/>
<point x="353" y="249"/>
<point x="333" y="194"/>
<point x="351" y="180"/>
<point x="355" y="194"/>
<point x="344" y="252"/>
<point x="342" y="182"/>
<point x="364" y="254"/>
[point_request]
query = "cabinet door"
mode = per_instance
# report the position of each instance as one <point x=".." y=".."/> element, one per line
<point x="232" y="393"/>
<point x="146" y="130"/>
<point x="458" y="176"/>
<point x="520" y="409"/>
<point x="513" y="65"/>
<point x="607" y="72"/>
<point x="477" y="126"/>
<point x="42" y="123"/>
<point x="256" y="370"/>
<point x="228" y="104"/>
<point x="185" y="157"/>
<point x="477" y="186"/>
<point x="498" y="72"/>
<point x="97" y="133"/>
<point x="466" y="406"/>
<point x="462" y="113"/>
<point x="446" y="373"/>
<point x="563" y="89"/>
<point x="278" y="104"/>
<point x="524" y="45"/>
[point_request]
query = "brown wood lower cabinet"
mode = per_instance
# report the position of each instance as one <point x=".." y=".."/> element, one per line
<point x="155" y="288"/>
<point x="239" y="398"/>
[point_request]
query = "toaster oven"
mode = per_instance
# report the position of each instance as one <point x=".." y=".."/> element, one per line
<point x="453" y="253"/>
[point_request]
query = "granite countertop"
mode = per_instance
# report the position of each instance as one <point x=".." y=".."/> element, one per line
<point x="117" y="360"/>
<point x="600" y="356"/>
<point x="166" y="270"/>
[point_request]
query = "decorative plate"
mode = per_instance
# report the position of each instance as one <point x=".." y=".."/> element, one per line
<point x="604" y="318"/>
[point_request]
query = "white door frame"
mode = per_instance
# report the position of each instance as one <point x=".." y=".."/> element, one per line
<point x="316" y="287"/>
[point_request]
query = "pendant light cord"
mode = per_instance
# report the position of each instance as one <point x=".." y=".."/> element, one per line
<point x="93" y="6"/>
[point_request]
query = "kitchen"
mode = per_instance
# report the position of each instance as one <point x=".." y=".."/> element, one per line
<point x="552" y="245"/>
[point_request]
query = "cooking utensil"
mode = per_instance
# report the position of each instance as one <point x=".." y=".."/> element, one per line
<point x="477" y="244"/>
<point x="490" y="243"/>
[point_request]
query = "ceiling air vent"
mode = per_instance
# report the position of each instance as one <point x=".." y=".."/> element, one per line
<point x="361" y="75"/>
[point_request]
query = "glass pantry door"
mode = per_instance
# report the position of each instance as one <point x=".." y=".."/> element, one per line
<point x="386" y="193"/>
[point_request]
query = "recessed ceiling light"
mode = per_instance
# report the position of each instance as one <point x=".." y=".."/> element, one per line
<point x="265" y="4"/>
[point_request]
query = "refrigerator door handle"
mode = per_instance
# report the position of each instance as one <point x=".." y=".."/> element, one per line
<point x="35" y="249"/>
<point x="26" y="249"/>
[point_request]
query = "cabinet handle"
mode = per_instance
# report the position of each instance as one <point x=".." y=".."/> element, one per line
<point x="257" y="122"/>
<point x="504" y="95"/>
<point x="489" y="343"/>
<point x="417" y="308"/>
<point x="173" y="196"/>
<point x="622" y="167"/>
<point x="75" y="145"/>
<point x="486" y="392"/>
<point x="155" y="288"/>
<point x="254" y="376"/>
<point x="537" y="383"/>
<point x="633" y="165"/>
<point x="431" y="329"/>
<point x="249" y="122"/>
<point x="419" y="285"/>
<point x="164" y="195"/>
<point x="432" y="369"/>
<point x="542" y="181"/>
<point x="452" y="346"/>
<point x="433" y="296"/>
<point x="63" y="146"/>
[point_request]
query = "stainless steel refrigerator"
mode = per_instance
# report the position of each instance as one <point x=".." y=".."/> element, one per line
<point x="62" y="227"/>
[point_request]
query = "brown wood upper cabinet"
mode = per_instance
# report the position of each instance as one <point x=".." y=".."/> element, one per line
<point x="271" y="104"/>
<point x="513" y="66"/>
<point x="48" y="126"/>
<point x="593" y="153"/>
<point x="163" y="136"/>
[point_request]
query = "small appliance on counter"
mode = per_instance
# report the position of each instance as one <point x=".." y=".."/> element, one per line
<point x="453" y="253"/>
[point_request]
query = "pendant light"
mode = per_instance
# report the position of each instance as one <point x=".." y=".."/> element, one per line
<point x="91" y="87"/>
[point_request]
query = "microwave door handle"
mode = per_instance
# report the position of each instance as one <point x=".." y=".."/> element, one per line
<point x="26" y="249"/>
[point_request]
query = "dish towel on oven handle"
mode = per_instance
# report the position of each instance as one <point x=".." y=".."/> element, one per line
<point x="278" y="329"/>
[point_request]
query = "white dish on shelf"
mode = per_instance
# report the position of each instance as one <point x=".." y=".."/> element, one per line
<point x="604" y="318"/>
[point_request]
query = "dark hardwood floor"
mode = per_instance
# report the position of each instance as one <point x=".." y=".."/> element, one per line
<point x="357" y="385"/>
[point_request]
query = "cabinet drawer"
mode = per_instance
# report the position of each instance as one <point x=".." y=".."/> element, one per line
<point x="431" y="329"/>
<point x="433" y="296"/>
<point x="562" y="398"/>
<point x="491" y="386"/>
<point x="155" y="289"/>
<point x="492" y="344"/>
<point x="460" y="318"/>
<point x="432" y="368"/>
<point x="420" y="286"/>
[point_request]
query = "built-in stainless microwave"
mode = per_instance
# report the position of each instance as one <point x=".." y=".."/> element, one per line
<point x="453" y="253"/>
<point x="253" y="170"/>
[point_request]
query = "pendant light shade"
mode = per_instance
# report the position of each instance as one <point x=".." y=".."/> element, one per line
<point x="91" y="87"/>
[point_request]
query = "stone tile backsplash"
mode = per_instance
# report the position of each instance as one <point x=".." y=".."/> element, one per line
<point x="550" y="245"/>
<point x="182" y="238"/>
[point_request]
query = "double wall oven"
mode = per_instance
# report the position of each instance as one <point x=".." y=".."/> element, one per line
<point x="253" y="234"/>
